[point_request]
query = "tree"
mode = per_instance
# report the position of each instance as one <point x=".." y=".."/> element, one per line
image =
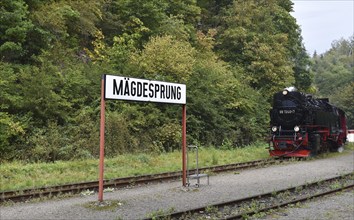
<point x="167" y="59"/>
<point x="230" y="54"/>
<point x="15" y="28"/>
<point x="343" y="98"/>
<point x="302" y="66"/>
<point x="70" y="22"/>
<point x="11" y="127"/>
<point x="222" y="108"/>
<point x="211" y="13"/>
<point x="285" y="23"/>
<point x="334" y="75"/>
<point x="252" y="39"/>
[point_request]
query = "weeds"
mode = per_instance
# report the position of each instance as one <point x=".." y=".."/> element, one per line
<point x="211" y="209"/>
<point x="284" y="195"/>
<point x="108" y="189"/>
<point x="298" y="189"/>
<point x="87" y="192"/>
<point x="107" y="205"/>
<point x="214" y="159"/>
<point x="19" y="175"/>
<point x="335" y="185"/>
<point x="161" y="214"/>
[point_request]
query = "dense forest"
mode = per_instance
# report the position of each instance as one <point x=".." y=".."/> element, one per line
<point x="232" y="55"/>
<point x="334" y="76"/>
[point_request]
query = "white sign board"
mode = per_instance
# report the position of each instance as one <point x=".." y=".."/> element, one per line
<point x="125" y="88"/>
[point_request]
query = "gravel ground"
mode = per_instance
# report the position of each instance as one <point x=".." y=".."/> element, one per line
<point x="138" y="202"/>
<point x="340" y="206"/>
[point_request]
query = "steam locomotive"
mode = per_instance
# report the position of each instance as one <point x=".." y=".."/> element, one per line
<point x="303" y="126"/>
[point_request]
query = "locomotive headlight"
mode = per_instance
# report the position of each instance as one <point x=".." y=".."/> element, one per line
<point x="285" y="92"/>
<point x="274" y="128"/>
<point x="296" y="128"/>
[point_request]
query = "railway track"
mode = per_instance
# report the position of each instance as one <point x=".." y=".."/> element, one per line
<point x="246" y="207"/>
<point x="26" y="194"/>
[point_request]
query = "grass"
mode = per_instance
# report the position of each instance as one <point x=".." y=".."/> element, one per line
<point x="19" y="175"/>
<point x="161" y="214"/>
<point x="349" y="146"/>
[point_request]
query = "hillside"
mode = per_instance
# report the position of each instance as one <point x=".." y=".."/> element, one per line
<point x="232" y="55"/>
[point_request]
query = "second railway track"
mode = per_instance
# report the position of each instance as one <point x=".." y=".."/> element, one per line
<point x="246" y="207"/>
<point x="26" y="194"/>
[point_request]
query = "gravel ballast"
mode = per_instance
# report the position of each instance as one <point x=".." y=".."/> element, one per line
<point x="339" y="206"/>
<point x="139" y="202"/>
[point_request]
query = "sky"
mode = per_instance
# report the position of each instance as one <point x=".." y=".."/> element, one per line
<point x="323" y="21"/>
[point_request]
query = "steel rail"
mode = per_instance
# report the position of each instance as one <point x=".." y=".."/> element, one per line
<point x="181" y="214"/>
<point x="22" y="195"/>
<point x="240" y="216"/>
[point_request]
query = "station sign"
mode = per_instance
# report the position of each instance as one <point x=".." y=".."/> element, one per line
<point x="133" y="89"/>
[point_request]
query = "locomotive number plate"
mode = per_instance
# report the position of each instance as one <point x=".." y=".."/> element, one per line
<point x="287" y="111"/>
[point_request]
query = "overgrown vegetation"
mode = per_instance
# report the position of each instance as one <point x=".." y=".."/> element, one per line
<point x="231" y="54"/>
<point x="18" y="175"/>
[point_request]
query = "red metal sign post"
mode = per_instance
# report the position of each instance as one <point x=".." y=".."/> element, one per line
<point x="184" y="145"/>
<point x="102" y="128"/>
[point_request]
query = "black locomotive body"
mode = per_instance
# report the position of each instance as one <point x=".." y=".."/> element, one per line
<point x="302" y="126"/>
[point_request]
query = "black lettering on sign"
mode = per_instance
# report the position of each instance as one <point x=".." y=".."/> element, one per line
<point x="145" y="89"/>
<point x="162" y="94"/>
<point x="140" y="89"/>
<point x="126" y="88"/>
<point x="151" y="90"/>
<point x="117" y="90"/>
<point x="173" y="92"/>
<point x="168" y="92"/>
<point x="178" y="93"/>
<point x="157" y="89"/>
<point x="133" y="88"/>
